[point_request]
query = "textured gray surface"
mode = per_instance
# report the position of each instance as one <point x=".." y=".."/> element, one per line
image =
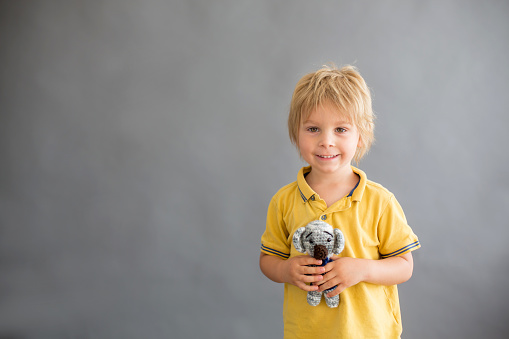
<point x="141" y="141"/>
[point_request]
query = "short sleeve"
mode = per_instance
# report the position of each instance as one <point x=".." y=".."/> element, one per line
<point x="395" y="235"/>
<point x="275" y="238"/>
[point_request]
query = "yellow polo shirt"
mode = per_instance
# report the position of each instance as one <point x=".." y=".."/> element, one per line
<point x="374" y="227"/>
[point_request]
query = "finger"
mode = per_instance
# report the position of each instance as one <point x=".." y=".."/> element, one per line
<point x="328" y="267"/>
<point x="315" y="279"/>
<point x="331" y="276"/>
<point x="332" y="263"/>
<point x="336" y="292"/>
<point x="326" y="284"/>
<point x="313" y="270"/>
<point x="311" y="261"/>
<point x="307" y="288"/>
<point x="307" y="260"/>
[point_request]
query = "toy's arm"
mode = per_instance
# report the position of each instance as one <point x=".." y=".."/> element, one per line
<point x="295" y="271"/>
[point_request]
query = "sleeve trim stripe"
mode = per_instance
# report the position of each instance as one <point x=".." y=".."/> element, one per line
<point x="403" y="250"/>
<point x="272" y="251"/>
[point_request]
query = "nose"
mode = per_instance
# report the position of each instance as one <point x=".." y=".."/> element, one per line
<point x="327" y="140"/>
<point x="320" y="252"/>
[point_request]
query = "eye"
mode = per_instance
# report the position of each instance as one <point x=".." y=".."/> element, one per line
<point x="329" y="239"/>
<point x="312" y="129"/>
<point x="311" y="241"/>
<point x="340" y="130"/>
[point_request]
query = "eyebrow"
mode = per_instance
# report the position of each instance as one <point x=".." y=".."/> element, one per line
<point x="339" y="122"/>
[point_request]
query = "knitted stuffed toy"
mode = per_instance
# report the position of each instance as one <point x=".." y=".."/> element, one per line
<point x="320" y="240"/>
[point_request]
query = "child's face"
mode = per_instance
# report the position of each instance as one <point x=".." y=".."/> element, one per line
<point x="328" y="141"/>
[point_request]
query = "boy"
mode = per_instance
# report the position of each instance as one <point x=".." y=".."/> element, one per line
<point x="331" y="123"/>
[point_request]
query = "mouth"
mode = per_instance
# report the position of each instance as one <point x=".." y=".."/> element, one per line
<point x="327" y="156"/>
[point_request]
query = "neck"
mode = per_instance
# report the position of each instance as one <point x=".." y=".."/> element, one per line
<point x="346" y="177"/>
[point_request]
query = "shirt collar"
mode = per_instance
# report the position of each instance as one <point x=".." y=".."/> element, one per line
<point x="307" y="192"/>
<point x="359" y="190"/>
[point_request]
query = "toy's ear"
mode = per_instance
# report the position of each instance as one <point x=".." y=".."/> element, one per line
<point x="297" y="240"/>
<point x="339" y="241"/>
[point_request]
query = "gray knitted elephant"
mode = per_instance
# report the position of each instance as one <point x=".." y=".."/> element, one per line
<point x="320" y="240"/>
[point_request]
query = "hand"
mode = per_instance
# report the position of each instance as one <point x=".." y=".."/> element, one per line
<point x="343" y="272"/>
<point x="296" y="271"/>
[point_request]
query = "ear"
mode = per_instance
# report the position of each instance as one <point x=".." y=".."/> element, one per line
<point x="297" y="240"/>
<point x="339" y="241"/>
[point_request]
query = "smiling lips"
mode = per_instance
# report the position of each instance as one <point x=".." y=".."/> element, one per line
<point x="327" y="156"/>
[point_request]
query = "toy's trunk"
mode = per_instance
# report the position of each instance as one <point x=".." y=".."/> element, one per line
<point x="320" y="252"/>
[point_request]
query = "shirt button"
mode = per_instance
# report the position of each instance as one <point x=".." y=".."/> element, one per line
<point x="312" y="198"/>
<point x="324" y="217"/>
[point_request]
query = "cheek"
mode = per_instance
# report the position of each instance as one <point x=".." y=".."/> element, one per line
<point x="303" y="146"/>
<point x="300" y="141"/>
<point x="353" y="143"/>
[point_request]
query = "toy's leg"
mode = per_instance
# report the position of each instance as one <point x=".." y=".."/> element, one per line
<point x="332" y="301"/>
<point x="314" y="298"/>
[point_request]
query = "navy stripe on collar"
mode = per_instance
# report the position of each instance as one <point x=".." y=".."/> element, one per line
<point x="353" y="189"/>
<point x="302" y="195"/>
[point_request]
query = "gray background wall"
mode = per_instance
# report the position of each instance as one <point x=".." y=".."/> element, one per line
<point x="140" y="143"/>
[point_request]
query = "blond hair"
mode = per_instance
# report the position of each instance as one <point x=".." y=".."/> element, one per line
<point x="344" y="88"/>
